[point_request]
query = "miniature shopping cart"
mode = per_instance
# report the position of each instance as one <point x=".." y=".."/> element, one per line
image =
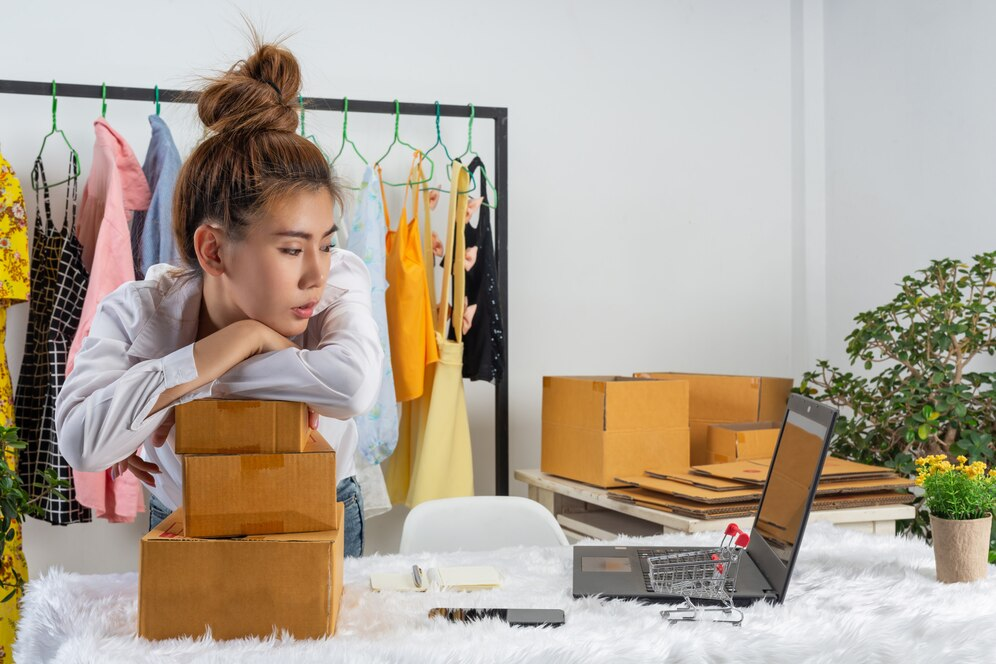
<point x="702" y="574"/>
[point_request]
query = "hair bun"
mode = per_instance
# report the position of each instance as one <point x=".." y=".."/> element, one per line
<point x="256" y="94"/>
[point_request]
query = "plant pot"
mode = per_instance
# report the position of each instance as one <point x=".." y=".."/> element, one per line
<point x="961" y="548"/>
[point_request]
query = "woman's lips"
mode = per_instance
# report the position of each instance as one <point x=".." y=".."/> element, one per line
<point x="305" y="311"/>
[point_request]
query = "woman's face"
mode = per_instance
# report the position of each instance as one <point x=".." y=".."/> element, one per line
<point x="277" y="274"/>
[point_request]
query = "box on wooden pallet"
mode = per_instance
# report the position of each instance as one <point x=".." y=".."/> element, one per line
<point x="752" y="440"/>
<point x="239" y="587"/>
<point x="715" y="399"/>
<point x="234" y="426"/>
<point x="597" y="428"/>
<point x="228" y="495"/>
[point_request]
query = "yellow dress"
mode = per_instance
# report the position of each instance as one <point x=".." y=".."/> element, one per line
<point x="14" y="285"/>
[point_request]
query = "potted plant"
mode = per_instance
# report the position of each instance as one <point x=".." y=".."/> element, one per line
<point x="960" y="499"/>
<point x="15" y="502"/>
<point x="919" y="388"/>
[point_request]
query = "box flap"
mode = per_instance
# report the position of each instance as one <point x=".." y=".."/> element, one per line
<point x="171" y="528"/>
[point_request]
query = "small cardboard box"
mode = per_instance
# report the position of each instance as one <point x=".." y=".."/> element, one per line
<point x="239" y="587"/>
<point x="717" y="399"/>
<point x="231" y="426"/>
<point x="597" y="428"/>
<point x="730" y="442"/>
<point x="230" y="495"/>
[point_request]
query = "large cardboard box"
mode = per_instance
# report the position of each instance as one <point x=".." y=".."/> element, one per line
<point x="716" y="399"/>
<point x="234" y="426"/>
<point x="229" y="495"/>
<point x="239" y="587"/>
<point x="730" y="442"/>
<point x="597" y="428"/>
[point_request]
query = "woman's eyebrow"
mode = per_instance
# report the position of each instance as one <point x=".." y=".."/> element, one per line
<point x="304" y="235"/>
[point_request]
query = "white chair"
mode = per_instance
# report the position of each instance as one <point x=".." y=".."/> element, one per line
<point x="479" y="523"/>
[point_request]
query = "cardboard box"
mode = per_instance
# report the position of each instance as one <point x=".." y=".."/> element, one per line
<point x="730" y="442"/>
<point x="229" y="495"/>
<point x="239" y="587"/>
<point x="716" y="399"/>
<point x="596" y="428"/>
<point x="230" y="426"/>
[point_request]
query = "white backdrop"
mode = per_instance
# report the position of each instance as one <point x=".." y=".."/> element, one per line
<point x="686" y="192"/>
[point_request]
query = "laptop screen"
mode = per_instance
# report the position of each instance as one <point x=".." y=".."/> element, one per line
<point x="790" y="488"/>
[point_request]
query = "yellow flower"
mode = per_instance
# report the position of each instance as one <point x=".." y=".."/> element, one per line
<point x="992" y="472"/>
<point x="918" y="481"/>
<point x="921" y="461"/>
<point x="961" y="459"/>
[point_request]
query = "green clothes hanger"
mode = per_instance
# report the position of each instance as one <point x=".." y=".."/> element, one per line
<point x="346" y="140"/>
<point x="310" y="137"/>
<point x="470" y="151"/>
<point x="397" y="139"/>
<point x="439" y="143"/>
<point x="103" y="100"/>
<point x="157" y="100"/>
<point x="56" y="130"/>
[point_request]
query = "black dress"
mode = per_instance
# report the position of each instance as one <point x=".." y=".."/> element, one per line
<point x="484" y="340"/>
<point x="58" y="286"/>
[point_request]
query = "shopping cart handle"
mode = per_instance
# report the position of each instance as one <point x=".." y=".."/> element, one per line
<point x="743" y="540"/>
<point x="733" y="530"/>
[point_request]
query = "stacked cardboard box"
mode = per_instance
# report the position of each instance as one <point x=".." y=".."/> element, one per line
<point x="258" y="543"/>
<point x="727" y="490"/>
<point x="596" y="428"/>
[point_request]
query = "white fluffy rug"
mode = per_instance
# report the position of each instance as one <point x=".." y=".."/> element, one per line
<point x="853" y="598"/>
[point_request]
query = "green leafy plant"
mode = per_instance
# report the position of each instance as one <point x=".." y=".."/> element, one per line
<point x="919" y="394"/>
<point x="959" y="492"/>
<point x="15" y="502"/>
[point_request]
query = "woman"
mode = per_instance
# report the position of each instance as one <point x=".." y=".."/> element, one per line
<point x="264" y="306"/>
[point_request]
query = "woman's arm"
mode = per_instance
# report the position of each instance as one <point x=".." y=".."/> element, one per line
<point x="109" y="406"/>
<point x="341" y="377"/>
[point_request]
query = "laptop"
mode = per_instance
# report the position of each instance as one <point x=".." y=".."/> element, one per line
<point x="766" y="565"/>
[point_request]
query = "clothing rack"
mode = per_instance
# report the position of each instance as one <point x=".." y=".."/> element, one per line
<point x="500" y="175"/>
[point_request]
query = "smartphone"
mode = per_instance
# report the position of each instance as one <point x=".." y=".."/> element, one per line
<point x="518" y="617"/>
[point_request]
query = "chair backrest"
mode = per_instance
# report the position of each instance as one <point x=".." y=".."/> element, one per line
<point x="479" y="523"/>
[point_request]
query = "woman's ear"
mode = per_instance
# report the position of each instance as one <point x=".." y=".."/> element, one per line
<point x="208" y="241"/>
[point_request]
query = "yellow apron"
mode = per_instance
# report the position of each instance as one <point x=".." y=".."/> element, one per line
<point x="433" y="458"/>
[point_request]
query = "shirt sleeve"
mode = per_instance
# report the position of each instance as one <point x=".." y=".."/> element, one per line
<point x="340" y="377"/>
<point x="102" y="411"/>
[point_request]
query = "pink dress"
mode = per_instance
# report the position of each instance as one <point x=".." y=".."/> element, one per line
<point x="115" y="188"/>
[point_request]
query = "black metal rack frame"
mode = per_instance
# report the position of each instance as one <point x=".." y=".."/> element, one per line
<point x="499" y="174"/>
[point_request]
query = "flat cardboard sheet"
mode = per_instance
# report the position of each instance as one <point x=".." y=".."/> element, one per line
<point x="755" y="471"/>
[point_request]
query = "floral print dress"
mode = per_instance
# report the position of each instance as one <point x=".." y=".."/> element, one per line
<point x="14" y="285"/>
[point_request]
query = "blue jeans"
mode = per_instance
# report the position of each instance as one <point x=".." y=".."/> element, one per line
<point x="347" y="491"/>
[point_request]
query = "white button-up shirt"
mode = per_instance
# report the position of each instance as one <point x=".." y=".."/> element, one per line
<point x="141" y="344"/>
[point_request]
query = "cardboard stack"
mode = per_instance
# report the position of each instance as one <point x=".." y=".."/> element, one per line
<point x="727" y="490"/>
<point x="258" y="543"/>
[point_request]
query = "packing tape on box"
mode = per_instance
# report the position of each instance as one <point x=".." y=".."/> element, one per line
<point x="237" y="405"/>
<point x="256" y="462"/>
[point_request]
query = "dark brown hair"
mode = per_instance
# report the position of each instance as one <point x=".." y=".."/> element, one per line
<point x="252" y="156"/>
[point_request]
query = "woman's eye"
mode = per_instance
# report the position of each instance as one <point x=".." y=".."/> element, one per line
<point x="329" y="247"/>
<point x="291" y="252"/>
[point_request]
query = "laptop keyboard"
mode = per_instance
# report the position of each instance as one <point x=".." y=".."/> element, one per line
<point x="645" y="553"/>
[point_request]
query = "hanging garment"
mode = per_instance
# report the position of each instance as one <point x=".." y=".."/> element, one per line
<point x="409" y="314"/>
<point x="152" y="230"/>
<point x="441" y="464"/>
<point x="114" y="189"/>
<point x="34" y="404"/>
<point x="14" y="288"/>
<point x="378" y="428"/>
<point x="483" y="331"/>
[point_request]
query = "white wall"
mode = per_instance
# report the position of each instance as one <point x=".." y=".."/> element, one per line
<point x="910" y="146"/>
<point x="656" y="210"/>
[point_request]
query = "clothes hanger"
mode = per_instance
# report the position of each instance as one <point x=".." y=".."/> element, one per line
<point x="56" y="130"/>
<point x="397" y="139"/>
<point x="157" y="100"/>
<point x="346" y="139"/>
<point x="470" y="151"/>
<point x="310" y="137"/>
<point x="439" y="143"/>
<point x="103" y="100"/>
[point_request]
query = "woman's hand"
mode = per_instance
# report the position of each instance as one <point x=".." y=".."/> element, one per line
<point x="266" y="339"/>
<point x="140" y="468"/>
